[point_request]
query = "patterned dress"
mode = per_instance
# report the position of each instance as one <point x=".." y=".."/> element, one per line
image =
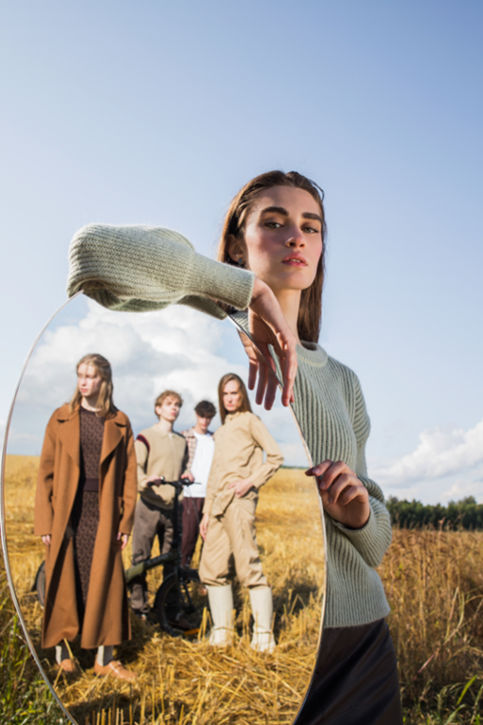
<point x="85" y="512"/>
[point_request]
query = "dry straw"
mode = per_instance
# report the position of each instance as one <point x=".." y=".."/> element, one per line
<point x="186" y="681"/>
<point x="434" y="581"/>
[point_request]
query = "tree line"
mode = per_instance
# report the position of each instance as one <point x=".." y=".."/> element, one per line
<point x="466" y="514"/>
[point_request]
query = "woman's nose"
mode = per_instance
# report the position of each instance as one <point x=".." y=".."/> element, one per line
<point x="295" y="238"/>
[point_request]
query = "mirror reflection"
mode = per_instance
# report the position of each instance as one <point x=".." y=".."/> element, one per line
<point x="203" y="640"/>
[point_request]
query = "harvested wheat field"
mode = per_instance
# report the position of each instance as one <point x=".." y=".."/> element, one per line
<point x="182" y="680"/>
<point x="434" y="583"/>
<point x="433" y="579"/>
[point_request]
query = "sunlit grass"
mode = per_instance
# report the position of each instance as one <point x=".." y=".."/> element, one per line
<point x="183" y="681"/>
<point x="434" y="581"/>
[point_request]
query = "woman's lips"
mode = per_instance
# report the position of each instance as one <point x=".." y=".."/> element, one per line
<point x="295" y="261"/>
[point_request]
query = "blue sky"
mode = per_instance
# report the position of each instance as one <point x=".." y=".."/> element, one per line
<point x="157" y="112"/>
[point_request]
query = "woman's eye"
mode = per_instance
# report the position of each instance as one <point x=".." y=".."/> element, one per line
<point x="272" y="224"/>
<point x="311" y="230"/>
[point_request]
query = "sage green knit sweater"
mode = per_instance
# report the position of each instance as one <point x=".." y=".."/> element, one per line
<point x="144" y="268"/>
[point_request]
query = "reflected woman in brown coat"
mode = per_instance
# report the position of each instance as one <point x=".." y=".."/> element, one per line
<point x="84" y="507"/>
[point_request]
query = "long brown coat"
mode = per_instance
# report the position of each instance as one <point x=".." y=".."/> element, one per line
<point x="106" y="617"/>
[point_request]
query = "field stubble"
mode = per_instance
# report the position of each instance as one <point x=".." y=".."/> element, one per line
<point x="434" y="583"/>
<point x="433" y="579"/>
<point x="186" y="681"/>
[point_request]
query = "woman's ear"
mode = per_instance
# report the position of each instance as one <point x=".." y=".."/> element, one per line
<point x="235" y="248"/>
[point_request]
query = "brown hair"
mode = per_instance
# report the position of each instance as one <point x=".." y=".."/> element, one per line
<point x="205" y="409"/>
<point x="310" y="311"/>
<point x="245" y="403"/>
<point x="105" y="406"/>
<point x="167" y="394"/>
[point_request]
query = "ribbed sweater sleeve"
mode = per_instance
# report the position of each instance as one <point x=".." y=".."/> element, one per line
<point x="373" y="539"/>
<point x="141" y="268"/>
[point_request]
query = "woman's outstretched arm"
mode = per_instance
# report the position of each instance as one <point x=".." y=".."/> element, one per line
<point x="140" y="268"/>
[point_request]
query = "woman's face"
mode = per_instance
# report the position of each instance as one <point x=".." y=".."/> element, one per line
<point x="88" y="381"/>
<point x="283" y="238"/>
<point x="232" y="396"/>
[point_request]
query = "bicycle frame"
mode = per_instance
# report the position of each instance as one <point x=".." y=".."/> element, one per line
<point x="171" y="556"/>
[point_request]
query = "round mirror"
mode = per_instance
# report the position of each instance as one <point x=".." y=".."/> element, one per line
<point x="180" y="676"/>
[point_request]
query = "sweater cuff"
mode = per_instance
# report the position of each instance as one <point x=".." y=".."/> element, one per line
<point x="140" y="268"/>
<point x="366" y="539"/>
<point x="223" y="282"/>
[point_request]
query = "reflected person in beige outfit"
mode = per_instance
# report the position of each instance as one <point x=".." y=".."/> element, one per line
<point x="246" y="456"/>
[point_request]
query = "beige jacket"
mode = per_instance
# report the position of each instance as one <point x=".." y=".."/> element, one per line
<point x="160" y="454"/>
<point x="239" y="447"/>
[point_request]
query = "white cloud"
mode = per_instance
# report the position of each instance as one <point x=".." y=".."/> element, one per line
<point x="177" y="348"/>
<point x="147" y="352"/>
<point x="445" y="465"/>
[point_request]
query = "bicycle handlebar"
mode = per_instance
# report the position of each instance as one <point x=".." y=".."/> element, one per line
<point x="179" y="484"/>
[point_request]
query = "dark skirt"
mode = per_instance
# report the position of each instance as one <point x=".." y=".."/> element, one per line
<point x="85" y="523"/>
<point x="355" y="679"/>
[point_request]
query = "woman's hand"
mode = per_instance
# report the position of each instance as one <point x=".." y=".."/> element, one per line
<point x="46" y="539"/>
<point x="123" y="538"/>
<point x="267" y="325"/>
<point x="204" y="525"/>
<point x="344" y="496"/>
<point x="241" y="486"/>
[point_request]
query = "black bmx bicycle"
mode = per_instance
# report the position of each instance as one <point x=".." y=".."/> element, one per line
<point x="180" y="583"/>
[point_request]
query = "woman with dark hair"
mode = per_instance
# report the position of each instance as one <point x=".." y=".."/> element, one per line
<point x="84" y="508"/>
<point x="228" y="524"/>
<point x="272" y="262"/>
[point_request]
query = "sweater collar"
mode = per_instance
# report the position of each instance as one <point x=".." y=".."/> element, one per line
<point x="310" y="353"/>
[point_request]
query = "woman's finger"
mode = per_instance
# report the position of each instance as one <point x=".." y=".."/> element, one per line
<point x="262" y="383"/>
<point x="319" y="470"/>
<point x="333" y="473"/>
<point x="289" y="371"/>
<point x="271" y="391"/>
<point x="271" y="381"/>
<point x="352" y="493"/>
<point x="286" y="349"/>
<point x="328" y="471"/>
<point x="338" y="485"/>
<point x="268" y="326"/>
<point x="252" y="359"/>
<point x="252" y="373"/>
<point x="259" y="373"/>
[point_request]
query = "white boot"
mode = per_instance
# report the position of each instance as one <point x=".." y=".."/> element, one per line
<point x="221" y="607"/>
<point x="262" y="610"/>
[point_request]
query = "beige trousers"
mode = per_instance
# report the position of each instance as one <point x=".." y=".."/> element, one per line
<point x="232" y="535"/>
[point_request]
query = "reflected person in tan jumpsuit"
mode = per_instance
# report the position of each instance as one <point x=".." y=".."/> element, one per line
<point x="228" y="524"/>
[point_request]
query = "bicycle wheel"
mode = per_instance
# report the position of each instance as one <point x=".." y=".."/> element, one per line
<point x="182" y="588"/>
